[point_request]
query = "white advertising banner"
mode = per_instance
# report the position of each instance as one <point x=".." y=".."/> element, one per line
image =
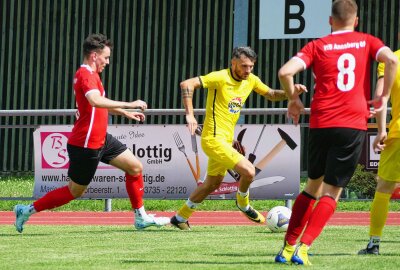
<point x="372" y="158"/>
<point x="283" y="19"/>
<point x="172" y="169"/>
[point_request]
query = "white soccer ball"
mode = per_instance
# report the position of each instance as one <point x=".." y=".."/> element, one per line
<point x="278" y="218"/>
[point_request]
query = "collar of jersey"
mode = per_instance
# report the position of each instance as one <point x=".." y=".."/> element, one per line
<point x="341" y="32"/>
<point x="87" y="67"/>
<point x="231" y="74"/>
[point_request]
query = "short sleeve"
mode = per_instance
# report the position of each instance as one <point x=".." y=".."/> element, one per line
<point x="260" y="87"/>
<point x="306" y="54"/>
<point x="211" y="80"/>
<point x="89" y="83"/>
<point x="376" y="45"/>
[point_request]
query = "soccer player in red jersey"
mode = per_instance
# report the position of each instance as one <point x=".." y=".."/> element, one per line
<point x="89" y="142"/>
<point x="339" y="112"/>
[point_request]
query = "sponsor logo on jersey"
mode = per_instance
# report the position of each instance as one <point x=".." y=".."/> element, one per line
<point x="235" y="105"/>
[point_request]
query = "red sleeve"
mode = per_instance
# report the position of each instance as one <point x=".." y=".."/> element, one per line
<point x="376" y="46"/>
<point x="306" y="54"/>
<point x="88" y="82"/>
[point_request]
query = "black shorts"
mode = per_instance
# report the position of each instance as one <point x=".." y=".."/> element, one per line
<point x="83" y="162"/>
<point x="334" y="153"/>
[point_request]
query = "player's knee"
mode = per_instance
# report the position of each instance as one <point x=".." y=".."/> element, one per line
<point x="77" y="194"/>
<point x="135" y="169"/>
<point x="249" y="172"/>
<point x="77" y="191"/>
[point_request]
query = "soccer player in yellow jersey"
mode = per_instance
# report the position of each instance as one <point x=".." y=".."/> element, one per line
<point x="389" y="164"/>
<point x="228" y="90"/>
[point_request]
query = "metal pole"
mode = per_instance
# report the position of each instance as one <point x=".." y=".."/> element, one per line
<point x="240" y="23"/>
<point x="288" y="204"/>
<point x="107" y="205"/>
<point x="240" y="29"/>
<point x="71" y="112"/>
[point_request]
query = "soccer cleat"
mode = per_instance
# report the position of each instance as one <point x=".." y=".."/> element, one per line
<point x="285" y="254"/>
<point x="141" y="223"/>
<point x="184" y="226"/>
<point x="374" y="250"/>
<point x="22" y="215"/>
<point x="252" y="214"/>
<point x="300" y="255"/>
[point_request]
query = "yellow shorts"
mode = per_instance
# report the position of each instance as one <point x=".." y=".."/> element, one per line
<point x="221" y="155"/>
<point x="389" y="163"/>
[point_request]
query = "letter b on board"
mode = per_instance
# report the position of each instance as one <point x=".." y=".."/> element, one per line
<point x="282" y="19"/>
<point x="294" y="17"/>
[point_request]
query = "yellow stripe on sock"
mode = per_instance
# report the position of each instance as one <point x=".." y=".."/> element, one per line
<point x="185" y="211"/>
<point x="379" y="213"/>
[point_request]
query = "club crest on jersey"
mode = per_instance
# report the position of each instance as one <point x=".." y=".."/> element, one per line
<point x="235" y="105"/>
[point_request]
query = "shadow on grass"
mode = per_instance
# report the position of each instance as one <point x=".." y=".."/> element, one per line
<point x="24" y="234"/>
<point x="202" y="262"/>
<point x="352" y="254"/>
<point x="238" y="255"/>
<point x="365" y="241"/>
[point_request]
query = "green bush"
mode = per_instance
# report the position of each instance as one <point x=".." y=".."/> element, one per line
<point x="363" y="183"/>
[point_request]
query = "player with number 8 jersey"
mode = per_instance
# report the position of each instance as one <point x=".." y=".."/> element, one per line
<point x="341" y="65"/>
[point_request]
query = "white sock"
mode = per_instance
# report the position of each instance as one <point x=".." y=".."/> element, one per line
<point x="180" y="219"/>
<point x="140" y="212"/>
<point x="243" y="194"/>
<point x="191" y="205"/>
<point x="374" y="241"/>
<point x="31" y="210"/>
<point x="245" y="208"/>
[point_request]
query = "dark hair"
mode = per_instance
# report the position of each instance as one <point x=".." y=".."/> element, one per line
<point x="247" y="51"/>
<point x="344" y="10"/>
<point x="95" y="43"/>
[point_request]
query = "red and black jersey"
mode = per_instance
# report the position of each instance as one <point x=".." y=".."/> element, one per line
<point x="341" y="66"/>
<point x="91" y="123"/>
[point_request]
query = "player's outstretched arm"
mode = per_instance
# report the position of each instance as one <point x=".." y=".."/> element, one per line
<point x="138" y="116"/>
<point x="98" y="101"/>
<point x="278" y="94"/>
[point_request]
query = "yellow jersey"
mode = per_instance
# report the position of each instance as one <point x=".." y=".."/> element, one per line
<point x="394" y="126"/>
<point x="225" y="99"/>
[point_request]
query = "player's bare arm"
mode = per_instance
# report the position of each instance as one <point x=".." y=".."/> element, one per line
<point x="384" y="84"/>
<point x="98" y="101"/>
<point x="286" y="74"/>
<point x="378" y="144"/>
<point x="382" y="93"/>
<point x="278" y="95"/>
<point x="138" y="116"/>
<point x="187" y="89"/>
<point x="389" y="58"/>
<point x="275" y="95"/>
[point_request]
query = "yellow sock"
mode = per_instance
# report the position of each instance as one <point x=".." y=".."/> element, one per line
<point x="379" y="213"/>
<point x="186" y="211"/>
<point x="242" y="202"/>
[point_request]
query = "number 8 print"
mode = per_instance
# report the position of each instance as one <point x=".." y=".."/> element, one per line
<point x="349" y="71"/>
